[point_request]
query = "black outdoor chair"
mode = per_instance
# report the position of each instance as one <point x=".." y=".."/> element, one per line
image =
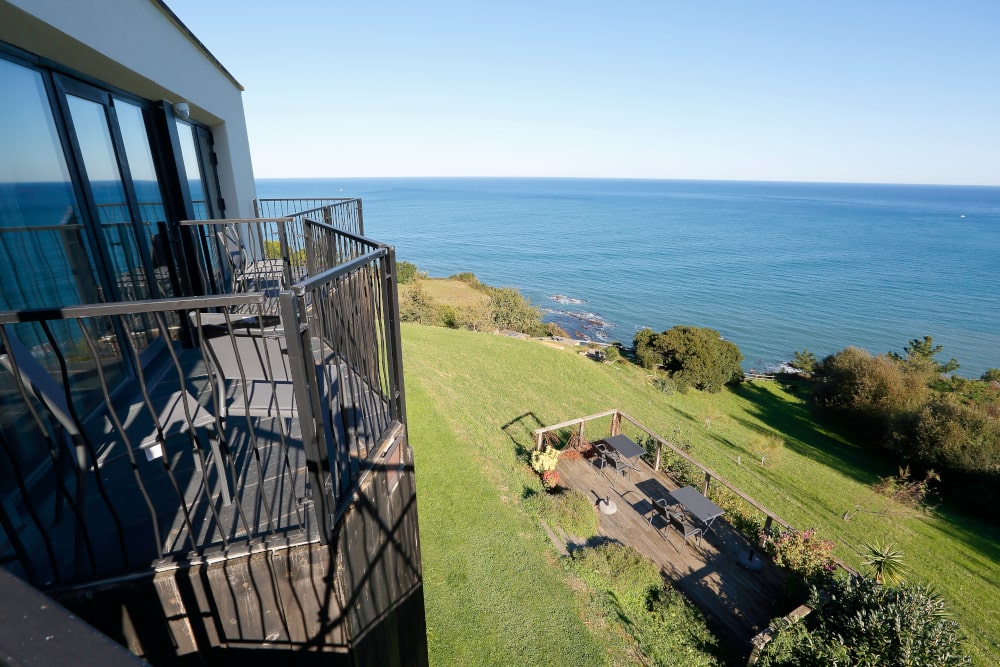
<point x="684" y="528"/>
<point x="619" y="464"/>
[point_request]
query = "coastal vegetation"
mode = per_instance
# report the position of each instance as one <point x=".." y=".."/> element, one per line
<point x="944" y="429"/>
<point x="859" y="621"/>
<point x="690" y="356"/>
<point x="474" y="400"/>
<point x="462" y="302"/>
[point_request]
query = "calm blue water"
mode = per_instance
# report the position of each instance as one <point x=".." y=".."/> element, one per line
<point x="775" y="267"/>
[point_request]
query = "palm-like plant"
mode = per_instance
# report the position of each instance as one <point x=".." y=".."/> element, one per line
<point x="885" y="562"/>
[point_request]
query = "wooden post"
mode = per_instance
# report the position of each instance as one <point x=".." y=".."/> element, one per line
<point x="704" y="489"/>
<point x="538" y="442"/>
<point x="659" y="448"/>
<point x="767" y="523"/>
<point x="580" y="436"/>
<point x="616" y="423"/>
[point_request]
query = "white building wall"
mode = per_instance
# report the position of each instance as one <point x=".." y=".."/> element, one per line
<point x="140" y="47"/>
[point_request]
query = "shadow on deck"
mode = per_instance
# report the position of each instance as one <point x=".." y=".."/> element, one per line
<point x="736" y="602"/>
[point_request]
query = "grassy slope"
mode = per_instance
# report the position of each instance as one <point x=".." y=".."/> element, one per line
<point x="493" y="593"/>
<point x="485" y="394"/>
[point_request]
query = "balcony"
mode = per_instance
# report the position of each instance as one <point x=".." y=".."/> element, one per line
<point x="234" y="457"/>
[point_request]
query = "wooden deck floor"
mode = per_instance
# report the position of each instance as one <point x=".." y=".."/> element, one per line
<point x="737" y="602"/>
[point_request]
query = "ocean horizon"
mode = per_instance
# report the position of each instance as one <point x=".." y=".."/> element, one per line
<point x="775" y="267"/>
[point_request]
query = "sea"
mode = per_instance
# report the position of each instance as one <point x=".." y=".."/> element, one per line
<point x="775" y="267"/>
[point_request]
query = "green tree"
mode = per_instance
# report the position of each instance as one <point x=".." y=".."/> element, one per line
<point x="805" y="361"/>
<point x="415" y="305"/>
<point x="991" y="375"/>
<point x="645" y="352"/>
<point x="512" y="311"/>
<point x="406" y="273"/>
<point x="926" y="349"/>
<point x="696" y="356"/>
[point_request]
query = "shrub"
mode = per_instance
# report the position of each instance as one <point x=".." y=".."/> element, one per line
<point x="885" y="562"/>
<point x="857" y="621"/>
<point x="545" y="459"/>
<point x="406" y="273"/>
<point x="416" y="306"/>
<point x="665" y="384"/>
<point x="612" y="354"/>
<point x="910" y="492"/>
<point x="741" y="515"/>
<point x="991" y="375"/>
<point x="553" y="330"/>
<point x="512" y="311"/>
<point x="802" y="553"/>
<point x="682" y="470"/>
<point x="467" y="277"/>
<point x="550" y="480"/>
<point x="667" y="629"/>
<point x="569" y="509"/>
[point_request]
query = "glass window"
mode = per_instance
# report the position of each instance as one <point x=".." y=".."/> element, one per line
<point x="147" y="188"/>
<point x="44" y="254"/>
<point x="192" y="168"/>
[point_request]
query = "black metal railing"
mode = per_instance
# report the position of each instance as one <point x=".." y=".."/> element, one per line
<point x="355" y="404"/>
<point x="343" y="214"/>
<point x="168" y="430"/>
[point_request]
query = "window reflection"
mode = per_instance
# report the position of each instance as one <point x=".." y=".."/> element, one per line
<point x="44" y="254"/>
<point x="147" y="188"/>
<point x="189" y="151"/>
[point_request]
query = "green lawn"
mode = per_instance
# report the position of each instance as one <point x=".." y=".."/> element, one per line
<point x="493" y="590"/>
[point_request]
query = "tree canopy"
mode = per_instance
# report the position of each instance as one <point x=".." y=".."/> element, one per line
<point x="925" y="349"/>
<point x="696" y="356"/>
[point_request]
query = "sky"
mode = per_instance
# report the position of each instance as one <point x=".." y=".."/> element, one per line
<point x="884" y="92"/>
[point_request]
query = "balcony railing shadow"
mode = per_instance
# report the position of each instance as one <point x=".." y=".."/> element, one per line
<point x="250" y="419"/>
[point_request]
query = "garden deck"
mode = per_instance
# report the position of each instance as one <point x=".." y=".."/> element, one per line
<point x="737" y="602"/>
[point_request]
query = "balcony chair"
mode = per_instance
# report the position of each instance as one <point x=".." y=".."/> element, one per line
<point x="684" y="528"/>
<point x="663" y="510"/>
<point x="618" y="463"/>
<point x="265" y="276"/>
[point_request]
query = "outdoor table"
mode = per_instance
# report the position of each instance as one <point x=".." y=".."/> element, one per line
<point x="625" y="446"/>
<point x="700" y="507"/>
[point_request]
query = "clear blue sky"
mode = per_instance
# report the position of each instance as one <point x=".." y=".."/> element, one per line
<point x="898" y="92"/>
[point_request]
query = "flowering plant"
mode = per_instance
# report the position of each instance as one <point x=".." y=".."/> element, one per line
<point x="800" y="552"/>
<point x="545" y="459"/>
<point x="550" y="479"/>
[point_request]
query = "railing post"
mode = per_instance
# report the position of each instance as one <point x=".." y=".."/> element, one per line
<point x="286" y="264"/>
<point x="704" y="488"/>
<point x="394" y="342"/>
<point x="361" y="220"/>
<point x="304" y="380"/>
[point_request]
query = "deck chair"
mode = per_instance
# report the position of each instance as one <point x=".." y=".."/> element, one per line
<point x="684" y="528"/>
<point x="619" y="464"/>
<point x="660" y="509"/>
<point x="250" y="275"/>
<point x="253" y="376"/>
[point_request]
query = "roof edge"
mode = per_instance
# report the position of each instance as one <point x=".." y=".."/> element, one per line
<point x="162" y="5"/>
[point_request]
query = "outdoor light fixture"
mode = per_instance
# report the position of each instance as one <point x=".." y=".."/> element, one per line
<point x="182" y="110"/>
